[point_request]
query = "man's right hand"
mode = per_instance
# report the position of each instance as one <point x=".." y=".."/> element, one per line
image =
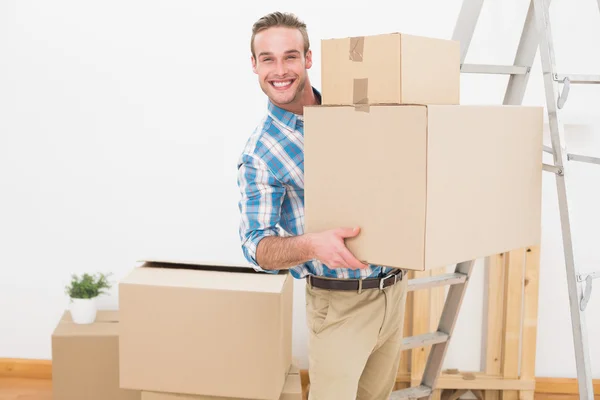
<point x="329" y="248"/>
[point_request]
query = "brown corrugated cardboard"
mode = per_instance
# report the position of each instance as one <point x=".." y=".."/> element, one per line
<point x="428" y="185"/>
<point x="292" y="390"/>
<point x="85" y="360"/>
<point x="390" y="68"/>
<point x="196" y="328"/>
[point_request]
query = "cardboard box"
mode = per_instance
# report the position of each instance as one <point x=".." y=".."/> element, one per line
<point x="390" y="68"/>
<point x="430" y="186"/>
<point x="197" y="328"/>
<point x="85" y="360"/>
<point x="292" y="390"/>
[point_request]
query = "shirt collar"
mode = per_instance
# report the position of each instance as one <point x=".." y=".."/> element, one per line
<point x="289" y="118"/>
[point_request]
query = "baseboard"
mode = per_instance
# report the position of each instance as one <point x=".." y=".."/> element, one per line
<point x="42" y="369"/>
<point x="543" y="386"/>
<point x="25" y="368"/>
<point x="562" y="386"/>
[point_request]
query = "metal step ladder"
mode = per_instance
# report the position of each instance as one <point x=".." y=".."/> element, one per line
<point x="440" y="339"/>
<point x="536" y="34"/>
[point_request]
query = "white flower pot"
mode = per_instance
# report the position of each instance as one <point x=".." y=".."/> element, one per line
<point x="83" y="311"/>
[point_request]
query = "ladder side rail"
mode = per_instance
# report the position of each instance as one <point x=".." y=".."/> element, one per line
<point x="465" y="25"/>
<point x="446" y="325"/>
<point x="560" y="157"/>
<point x="528" y="45"/>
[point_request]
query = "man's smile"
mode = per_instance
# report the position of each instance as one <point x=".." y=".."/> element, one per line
<point x="282" y="84"/>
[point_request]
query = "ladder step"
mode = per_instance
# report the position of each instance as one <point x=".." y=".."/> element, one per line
<point x="578" y="78"/>
<point x="416" y="392"/>
<point x="494" y="69"/>
<point x="423" y="340"/>
<point x="435" y="281"/>
<point x="552" y="168"/>
<point x="571" y="157"/>
<point x="580" y="158"/>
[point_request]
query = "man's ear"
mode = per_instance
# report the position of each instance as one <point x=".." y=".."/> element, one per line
<point x="253" y="60"/>
<point x="308" y="59"/>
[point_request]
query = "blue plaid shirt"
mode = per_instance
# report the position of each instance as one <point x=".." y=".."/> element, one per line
<point x="271" y="182"/>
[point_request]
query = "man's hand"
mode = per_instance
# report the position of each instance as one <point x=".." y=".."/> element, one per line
<point x="329" y="248"/>
<point x="275" y="252"/>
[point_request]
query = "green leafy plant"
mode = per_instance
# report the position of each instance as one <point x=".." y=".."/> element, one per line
<point x="87" y="286"/>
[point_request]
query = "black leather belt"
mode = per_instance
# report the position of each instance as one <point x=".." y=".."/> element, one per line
<point x="356" y="284"/>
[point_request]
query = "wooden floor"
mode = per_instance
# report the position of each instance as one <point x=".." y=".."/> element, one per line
<point x="25" y="389"/>
<point x="41" y="389"/>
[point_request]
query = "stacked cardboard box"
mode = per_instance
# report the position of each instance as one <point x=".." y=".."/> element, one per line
<point x="188" y="331"/>
<point x="429" y="181"/>
<point x="85" y="360"/>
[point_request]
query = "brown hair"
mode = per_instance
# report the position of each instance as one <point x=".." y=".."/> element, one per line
<point x="279" y="19"/>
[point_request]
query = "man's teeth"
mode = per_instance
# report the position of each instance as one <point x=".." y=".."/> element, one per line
<point x="281" y="84"/>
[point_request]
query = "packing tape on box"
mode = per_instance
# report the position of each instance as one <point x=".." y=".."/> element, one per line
<point x="360" y="89"/>
<point x="360" y="94"/>
<point x="357" y="45"/>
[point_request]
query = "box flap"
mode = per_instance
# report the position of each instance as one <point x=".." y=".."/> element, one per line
<point x="293" y="385"/>
<point x="294" y="369"/>
<point x="362" y="37"/>
<point x="365" y="107"/>
<point x="199" y="264"/>
<point x="211" y="276"/>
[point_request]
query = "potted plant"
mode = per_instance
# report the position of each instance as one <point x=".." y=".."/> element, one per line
<point x="83" y="292"/>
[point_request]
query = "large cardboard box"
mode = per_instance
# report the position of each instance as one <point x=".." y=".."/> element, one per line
<point x="430" y="185"/>
<point x="292" y="390"/>
<point x="85" y="360"/>
<point x="390" y="68"/>
<point x="199" y="328"/>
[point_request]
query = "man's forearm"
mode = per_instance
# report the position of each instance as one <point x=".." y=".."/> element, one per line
<point x="274" y="252"/>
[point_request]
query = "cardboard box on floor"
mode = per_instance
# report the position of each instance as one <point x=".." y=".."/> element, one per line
<point x="292" y="390"/>
<point x="390" y="68"/>
<point x="85" y="360"/>
<point x="200" y="328"/>
<point x="430" y="185"/>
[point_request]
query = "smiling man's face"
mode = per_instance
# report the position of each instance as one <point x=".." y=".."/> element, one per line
<point x="281" y="65"/>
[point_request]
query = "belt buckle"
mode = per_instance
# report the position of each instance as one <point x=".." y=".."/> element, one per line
<point x="382" y="280"/>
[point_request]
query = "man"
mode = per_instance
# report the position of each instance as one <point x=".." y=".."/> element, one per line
<point x="355" y="311"/>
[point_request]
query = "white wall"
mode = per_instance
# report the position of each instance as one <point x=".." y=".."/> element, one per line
<point x="121" y="123"/>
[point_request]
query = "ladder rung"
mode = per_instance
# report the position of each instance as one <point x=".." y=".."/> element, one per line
<point x="571" y="157"/>
<point x="416" y="392"/>
<point x="552" y="168"/>
<point x="580" y="158"/>
<point x="424" y="340"/>
<point x="434" y="281"/>
<point x="494" y="69"/>
<point x="578" y="78"/>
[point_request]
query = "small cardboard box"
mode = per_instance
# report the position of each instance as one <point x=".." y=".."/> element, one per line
<point x="292" y="390"/>
<point x="201" y="328"/>
<point x="429" y="185"/>
<point x="85" y="360"/>
<point x="390" y="68"/>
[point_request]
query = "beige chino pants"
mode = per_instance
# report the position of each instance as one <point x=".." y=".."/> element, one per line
<point x="354" y="341"/>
